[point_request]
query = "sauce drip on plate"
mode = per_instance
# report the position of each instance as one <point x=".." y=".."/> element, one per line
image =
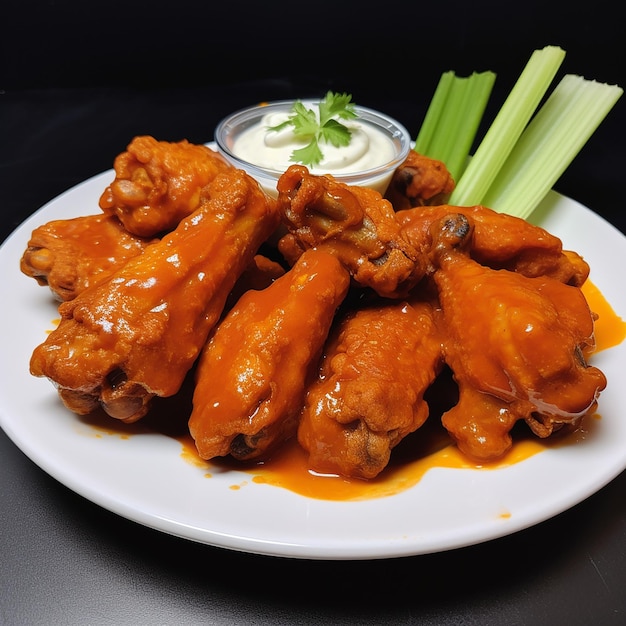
<point x="610" y="329"/>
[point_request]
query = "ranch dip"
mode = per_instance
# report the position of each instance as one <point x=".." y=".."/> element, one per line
<point x="368" y="148"/>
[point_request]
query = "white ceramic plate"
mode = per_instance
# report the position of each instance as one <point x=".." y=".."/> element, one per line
<point x="144" y="478"/>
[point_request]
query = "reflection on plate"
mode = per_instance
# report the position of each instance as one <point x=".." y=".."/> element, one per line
<point x="145" y="479"/>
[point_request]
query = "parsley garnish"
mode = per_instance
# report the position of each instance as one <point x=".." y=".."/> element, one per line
<point x="324" y="127"/>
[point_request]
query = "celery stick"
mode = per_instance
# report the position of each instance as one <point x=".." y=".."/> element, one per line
<point x="449" y="121"/>
<point x="433" y="113"/>
<point x="477" y="95"/>
<point x="550" y="142"/>
<point x="453" y="117"/>
<point x="508" y="125"/>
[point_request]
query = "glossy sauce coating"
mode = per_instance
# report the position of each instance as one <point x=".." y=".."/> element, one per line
<point x="517" y="346"/>
<point x="158" y="183"/>
<point x="251" y="377"/>
<point x="137" y="334"/>
<point x="369" y="395"/>
<point x="70" y="255"/>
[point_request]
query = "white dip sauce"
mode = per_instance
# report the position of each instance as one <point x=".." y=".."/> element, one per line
<point x="368" y="147"/>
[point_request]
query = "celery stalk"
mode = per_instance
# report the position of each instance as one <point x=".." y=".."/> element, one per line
<point x="475" y="101"/>
<point x="449" y="121"/>
<point x="433" y="114"/>
<point x="508" y="125"/>
<point x="550" y="142"/>
<point x="453" y="117"/>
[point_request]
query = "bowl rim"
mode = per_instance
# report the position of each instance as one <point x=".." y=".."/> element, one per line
<point x="369" y="115"/>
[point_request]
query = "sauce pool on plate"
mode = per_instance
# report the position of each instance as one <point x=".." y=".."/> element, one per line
<point x="610" y="329"/>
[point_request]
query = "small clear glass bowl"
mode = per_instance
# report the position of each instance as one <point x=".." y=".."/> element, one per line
<point x="231" y="127"/>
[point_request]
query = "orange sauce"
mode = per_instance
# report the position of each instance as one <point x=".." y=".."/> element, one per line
<point x="431" y="448"/>
<point x="289" y="470"/>
<point x="428" y="448"/>
<point x="610" y="329"/>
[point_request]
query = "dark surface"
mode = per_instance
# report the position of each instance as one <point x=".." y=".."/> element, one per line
<point x="77" y="82"/>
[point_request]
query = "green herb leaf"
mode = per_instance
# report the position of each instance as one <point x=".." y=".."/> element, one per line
<point x="336" y="133"/>
<point x="320" y="127"/>
<point x="311" y="153"/>
<point x="336" y="105"/>
<point x="303" y="120"/>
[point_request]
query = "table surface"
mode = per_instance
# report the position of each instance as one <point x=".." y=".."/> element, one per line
<point x="65" y="560"/>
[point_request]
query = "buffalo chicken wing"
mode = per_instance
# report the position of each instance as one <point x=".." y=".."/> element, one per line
<point x="137" y="334"/>
<point x="251" y="377"/>
<point x="419" y="181"/>
<point x="158" y="183"/>
<point x="369" y="395"/>
<point x="355" y="223"/>
<point x="501" y="241"/>
<point x="516" y="345"/>
<point x="70" y="255"/>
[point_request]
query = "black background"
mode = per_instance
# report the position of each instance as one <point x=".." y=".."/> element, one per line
<point x="85" y="77"/>
<point x="77" y="81"/>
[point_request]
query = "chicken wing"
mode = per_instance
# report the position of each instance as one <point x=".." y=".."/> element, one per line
<point x="501" y="241"/>
<point x="137" y="334"/>
<point x="369" y="395"/>
<point x="70" y="255"/>
<point x="356" y="223"/>
<point x="251" y="377"/>
<point x="517" y="347"/>
<point x="158" y="183"/>
<point x="419" y="181"/>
